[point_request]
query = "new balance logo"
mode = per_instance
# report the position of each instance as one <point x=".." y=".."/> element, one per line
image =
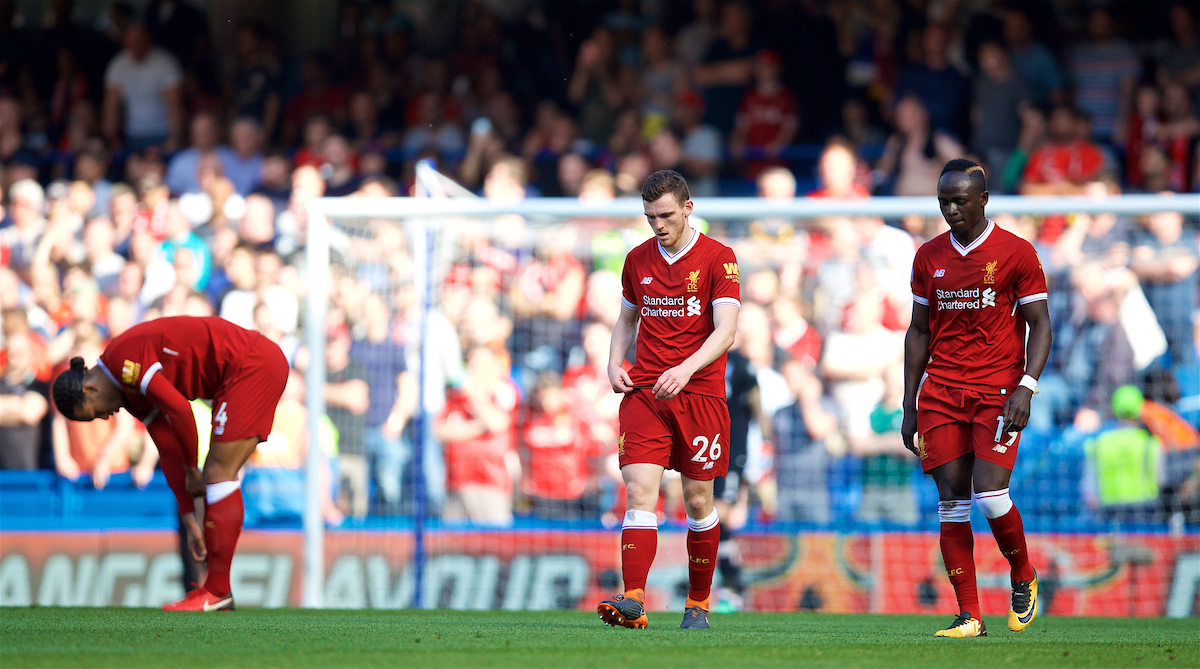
<point x="708" y="465"/>
<point x="646" y="280"/>
<point x="939" y="273"/>
<point x="1000" y="448"/>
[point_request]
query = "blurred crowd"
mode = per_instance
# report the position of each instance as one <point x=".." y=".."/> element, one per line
<point x="146" y="175"/>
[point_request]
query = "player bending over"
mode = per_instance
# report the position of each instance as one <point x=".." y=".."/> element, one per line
<point x="154" y="370"/>
<point x="683" y="287"/>
<point x="974" y="289"/>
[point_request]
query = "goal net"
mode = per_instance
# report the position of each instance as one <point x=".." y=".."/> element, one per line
<point x="459" y="350"/>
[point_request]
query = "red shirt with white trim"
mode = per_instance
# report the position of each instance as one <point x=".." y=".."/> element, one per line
<point x="194" y="354"/>
<point x="977" y="331"/>
<point x="674" y="296"/>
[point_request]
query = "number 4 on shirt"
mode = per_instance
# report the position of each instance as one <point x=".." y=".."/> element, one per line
<point x="219" y="419"/>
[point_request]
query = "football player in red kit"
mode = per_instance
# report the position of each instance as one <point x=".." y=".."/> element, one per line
<point x="975" y="288"/>
<point x="153" y="370"/>
<point x="683" y="287"/>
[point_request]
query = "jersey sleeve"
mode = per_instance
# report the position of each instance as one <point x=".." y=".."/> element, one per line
<point x="176" y="410"/>
<point x="627" y="295"/>
<point x="726" y="283"/>
<point x="918" y="280"/>
<point x="1030" y="280"/>
<point x="131" y="365"/>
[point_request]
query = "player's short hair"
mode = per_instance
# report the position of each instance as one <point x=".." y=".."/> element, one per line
<point x="68" y="388"/>
<point x="969" y="168"/>
<point x="666" y="181"/>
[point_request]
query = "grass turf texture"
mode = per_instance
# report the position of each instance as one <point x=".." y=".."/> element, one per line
<point x="50" y="637"/>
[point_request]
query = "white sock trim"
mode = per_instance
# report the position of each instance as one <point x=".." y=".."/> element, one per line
<point x="955" y="511"/>
<point x="707" y="523"/>
<point x="216" y="492"/>
<point x="994" y="503"/>
<point x="640" y="520"/>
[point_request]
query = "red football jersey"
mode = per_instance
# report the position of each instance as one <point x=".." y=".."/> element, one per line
<point x="674" y="296"/>
<point x="481" y="460"/>
<point x="977" y="331"/>
<point x="194" y="354"/>
<point x="559" y="451"/>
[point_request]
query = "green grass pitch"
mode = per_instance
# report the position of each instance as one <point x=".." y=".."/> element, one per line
<point x="126" y="638"/>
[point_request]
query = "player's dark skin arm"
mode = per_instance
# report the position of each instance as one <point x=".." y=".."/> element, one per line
<point x="1037" y="352"/>
<point x="916" y="356"/>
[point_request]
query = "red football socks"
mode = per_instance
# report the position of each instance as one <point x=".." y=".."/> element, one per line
<point x="1010" y="537"/>
<point x="638" y="546"/>
<point x="703" y="538"/>
<point x="222" y="526"/>
<point x="958" y="547"/>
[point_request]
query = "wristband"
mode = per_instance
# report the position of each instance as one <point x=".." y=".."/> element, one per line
<point x="1030" y="383"/>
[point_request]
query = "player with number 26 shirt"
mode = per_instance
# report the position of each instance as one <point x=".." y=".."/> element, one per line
<point x="680" y="298"/>
<point x="153" y="370"/>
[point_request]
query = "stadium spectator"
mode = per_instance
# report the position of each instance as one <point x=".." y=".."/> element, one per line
<point x="1166" y="262"/>
<point x="702" y="152"/>
<point x="1177" y="137"/>
<point x="478" y="428"/>
<point x="593" y="88"/>
<point x="547" y="297"/>
<point x="1124" y="465"/>
<point x="348" y="398"/>
<point x="1103" y="71"/>
<point x="1065" y="163"/>
<point x="392" y="400"/>
<point x="793" y="334"/>
<point x="767" y="117"/>
<point x="887" y="467"/>
<point x="915" y="152"/>
<point x="257" y="82"/>
<point x="26" y="201"/>
<point x="1033" y="61"/>
<point x="318" y="97"/>
<point x="936" y="82"/>
<point x="999" y="94"/>
<point x="856" y="358"/>
<point x="142" y="105"/>
<point x="1093" y="361"/>
<point x="801" y="452"/>
<point x="23" y="406"/>
<point x="560" y="459"/>
<point x="184" y="166"/>
<point x="242" y="162"/>
<point x="727" y="68"/>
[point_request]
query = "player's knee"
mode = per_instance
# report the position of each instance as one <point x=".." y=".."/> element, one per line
<point x="994" y="503"/>
<point x="639" y="496"/>
<point x="699" y="504"/>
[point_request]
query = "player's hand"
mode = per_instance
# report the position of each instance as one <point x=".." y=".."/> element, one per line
<point x="194" y="482"/>
<point x="671" y="383"/>
<point x="619" y="378"/>
<point x="195" y="537"/>
<point x="908" y="430"/>
<point x="1016" y="410"/>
